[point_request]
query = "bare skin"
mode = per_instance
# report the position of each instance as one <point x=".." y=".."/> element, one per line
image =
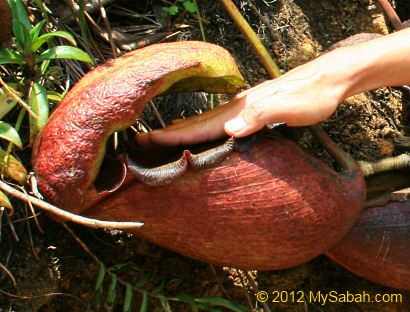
<point x="303" y="96"/>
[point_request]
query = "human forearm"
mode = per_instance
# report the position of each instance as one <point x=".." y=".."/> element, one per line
<point x="380" y="62"/>
<point x="305" y="95"/>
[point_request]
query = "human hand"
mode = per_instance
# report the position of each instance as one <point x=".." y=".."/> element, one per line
<point x="301" y="97"/>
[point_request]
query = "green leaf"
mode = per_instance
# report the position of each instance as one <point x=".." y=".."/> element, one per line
<point x="22" y="35"/>
<point x="35" y="32"/>
<point x="5" y="202"/>
<point x="144" y="304"/>
<point x="172" y="10"/>
<point x="123" y="265"/>
<point x="10" y="134"/>
<point x="19" y="13"/>
<point x="42" y="8"/>
<point x="142" y="281"/>
<point x="6" y="102"/>
<point x="128" y="298"/>
<point x="157" y="289"/>
<point x="194" y="307"/>
<point x="98" y="300"/>
<point x="112" y="290"/>
<point x="54" y="97"/>
<point x="46" y="37"/>
<point x="186" y="298"/>
<point x="165" y="303"/>
<point x="10" y="57"/>
<point x="39" y="105"/>
<point x="190" y="6"/>
<point x="12" y="168"/>
<point x="221" y="302"/>
<point x="100" y="278"/>
<point x="206" y="307"/>
<point x="44" y="67"/>
<point x="61" y="52"/>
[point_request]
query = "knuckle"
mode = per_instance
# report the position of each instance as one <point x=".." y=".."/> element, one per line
<point x="257" y="113"/>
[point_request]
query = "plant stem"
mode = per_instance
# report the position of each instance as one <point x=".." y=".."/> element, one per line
<point x="252" y="38"/>
<point x="386" y="164"/>
<point x="344" y="159"/>
<point x="201" y="26"/>
<point x="42" y="8"/>
<point x="83" y="26"/>
<point x="391" y="14"/>
<point x="341" y="157"/>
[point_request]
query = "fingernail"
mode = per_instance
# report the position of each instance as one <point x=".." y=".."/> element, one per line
<point x="235" y="125"/>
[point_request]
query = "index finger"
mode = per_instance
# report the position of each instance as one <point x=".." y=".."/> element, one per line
<point x="196" y="129"/>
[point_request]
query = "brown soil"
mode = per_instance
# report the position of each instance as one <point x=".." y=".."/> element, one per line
<point x="63" y="276"/>
<point x="5" y="22"/>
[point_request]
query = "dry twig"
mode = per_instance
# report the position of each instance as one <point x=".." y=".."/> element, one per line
<point x="68" y="216"/>
<point x="9" y="274"/>
<point x="8" y="294"/>
<point x="15" y="97"/>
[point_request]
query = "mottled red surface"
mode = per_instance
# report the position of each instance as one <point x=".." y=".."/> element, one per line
<point x="378" y="246"/>
<point x="68" y="153"/>
<point x="272" y="207"/>
<point x="6" y="25"/>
